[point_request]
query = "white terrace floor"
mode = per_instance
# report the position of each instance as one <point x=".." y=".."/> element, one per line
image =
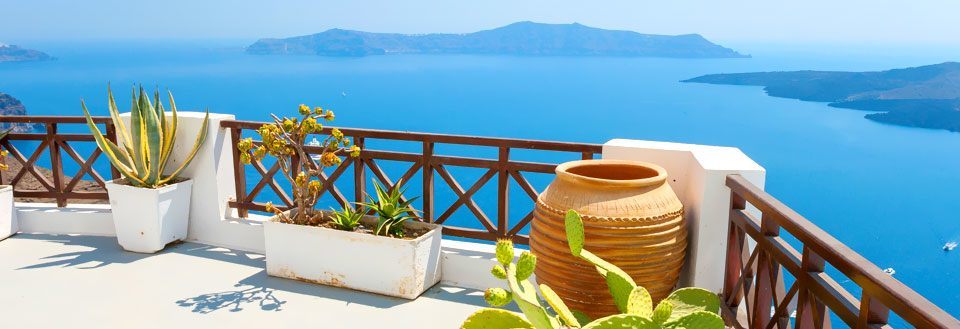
<point x="67" y="281"/>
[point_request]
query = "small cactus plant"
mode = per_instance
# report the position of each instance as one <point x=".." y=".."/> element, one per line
<point x="687" y="308"/>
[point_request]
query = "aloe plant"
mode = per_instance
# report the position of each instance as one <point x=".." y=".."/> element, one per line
<point x="688" y="308"/>
<point x="347" y="219"/>
<point x="144" y="150"/>
<point x="391" y="211"/>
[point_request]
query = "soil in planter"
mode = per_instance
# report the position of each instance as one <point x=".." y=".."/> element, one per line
<point x="408" y="232"/>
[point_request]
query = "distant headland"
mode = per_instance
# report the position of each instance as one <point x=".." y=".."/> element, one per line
<point x="13" y="106"/>
<point x="523" y="38"/>
<point x="12" y="53"/>
<point x="924" y="96"/>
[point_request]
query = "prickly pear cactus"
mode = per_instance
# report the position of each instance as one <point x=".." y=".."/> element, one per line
<point x="697" y="320"/>
<point x="640" y="303"/>
<point x="526" y="265"/>
<point x="662" y="313"/>
<point x="689" y="300"/>
<point x="621" y="321"/>
<point x="563" y="312"/>
<point x="497" y="297"/>
<point x="492" y="318"/>
<point x="505" y="252"/>
<point x="688" y="308"/>
<point x="619" y="282"/>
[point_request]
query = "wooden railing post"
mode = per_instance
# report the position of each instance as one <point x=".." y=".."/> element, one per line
<point x="872" y="312"/>
<point x="56" y="164"/>
<point x="112" y="136"/>
<point x="359" y="173"/>
<point x="811" y="313"/>
<point x="734" y="263"/>
<point x="503" y="191"/>
<point x="239" y="176"/>
<point x="427" y="181"/>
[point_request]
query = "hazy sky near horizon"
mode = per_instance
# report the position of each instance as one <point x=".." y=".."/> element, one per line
<point x="874" y="22"/>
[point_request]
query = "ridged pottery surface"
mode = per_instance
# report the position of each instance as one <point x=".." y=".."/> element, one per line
<point x="632" y="219"/>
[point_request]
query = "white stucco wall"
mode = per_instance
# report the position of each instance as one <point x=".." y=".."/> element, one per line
<point x="697" y="173"/>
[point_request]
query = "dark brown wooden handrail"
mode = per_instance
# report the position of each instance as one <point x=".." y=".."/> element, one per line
<point x="500" y="169"/>
<point x="55" y="185"/>
<point x="880" y="293"/>
<point x="51" y="119"/>
<point x="443" y="138"/>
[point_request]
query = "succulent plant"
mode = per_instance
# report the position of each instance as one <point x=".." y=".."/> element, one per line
<point x="687" y="308"/>
<point x="285" y="140"/>
<point x="347" y="219"/>
<point x="391" y="211"/>
<point x="145" y="149"/>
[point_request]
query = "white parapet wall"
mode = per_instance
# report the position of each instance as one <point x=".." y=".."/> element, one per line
<point x="697" y="173"/>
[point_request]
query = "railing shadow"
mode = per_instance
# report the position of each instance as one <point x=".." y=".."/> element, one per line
<point x="105" y="251"/>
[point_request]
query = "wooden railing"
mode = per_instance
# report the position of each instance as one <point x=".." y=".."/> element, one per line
<point x="55" y="144"/>
<point x="756" y="277"/>
<point x="429" y="164"/>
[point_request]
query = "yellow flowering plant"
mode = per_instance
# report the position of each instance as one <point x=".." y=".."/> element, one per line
<point x="285" y="140"/>
<point x="4" y="153"/>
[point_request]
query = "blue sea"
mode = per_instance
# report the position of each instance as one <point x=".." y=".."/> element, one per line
<point x="888" y="192"/>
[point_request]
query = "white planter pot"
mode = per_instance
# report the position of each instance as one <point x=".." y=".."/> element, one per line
<point x="148" y="219"/>
<point x="388" y="266"/>
<point x="8" y="214"/>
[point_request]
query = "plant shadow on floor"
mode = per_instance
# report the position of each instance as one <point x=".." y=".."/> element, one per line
<point x="235" y="300"/>
<point x="267" y="293"/>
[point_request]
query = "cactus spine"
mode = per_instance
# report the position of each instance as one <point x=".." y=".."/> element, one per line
<point x="145" y="149"/>
<point x="687" y="308"/>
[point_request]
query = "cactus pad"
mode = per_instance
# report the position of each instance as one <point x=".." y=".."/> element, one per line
<point x="492" y="318"/>
<point x="574" y="227"/>
<point x="697" y="320"/>
<point x="688" y="300"/>
<point x="622" y="321"/>
<point x="504" y="251"/>
<point x="497" y="297"/>
<point x="558" y="306"/>
<point x="662" y="313"/>
<point x="640" y="303"/>
<point x="526" y="265"/>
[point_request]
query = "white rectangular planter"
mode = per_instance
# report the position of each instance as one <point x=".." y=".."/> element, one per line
<point x="148" y="219"/>
<point x="389" y="266"/>
<point x="8" y="214"/>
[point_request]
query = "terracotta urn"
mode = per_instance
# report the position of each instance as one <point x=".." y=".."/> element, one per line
<point x="632" y="218"/>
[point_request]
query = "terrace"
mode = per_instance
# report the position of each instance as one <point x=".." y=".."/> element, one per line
<point x="771" y="267"/>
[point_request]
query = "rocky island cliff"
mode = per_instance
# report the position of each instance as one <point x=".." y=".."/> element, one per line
<point x="925" y="96"/>
<point x="12" y="53"/>
<point x="13" y="106"/>
<point x="523" y="38"/>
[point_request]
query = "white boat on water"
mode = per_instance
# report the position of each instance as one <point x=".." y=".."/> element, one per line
<point x="314" y="142"/>
<point x="950" y="246"/>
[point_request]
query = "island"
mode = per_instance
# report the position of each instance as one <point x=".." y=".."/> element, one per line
<point x="925" y="96"/>
<point x="13" y="106"/>
<point x="523" y="38"/>
<point x="12" y="53"/>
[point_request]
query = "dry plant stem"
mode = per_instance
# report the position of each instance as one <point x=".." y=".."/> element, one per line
<point x="304" y="200"/>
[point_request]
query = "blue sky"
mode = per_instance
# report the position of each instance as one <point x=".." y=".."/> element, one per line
<point x="877" y="22"/>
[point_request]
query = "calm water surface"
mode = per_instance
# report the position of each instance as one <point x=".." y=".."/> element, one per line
<point x="886" y="191"/>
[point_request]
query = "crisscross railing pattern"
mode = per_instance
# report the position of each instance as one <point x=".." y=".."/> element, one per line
<point x="755" y="277"/>
<point x="431" y="166"/>
<point x="55" y="145"/>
